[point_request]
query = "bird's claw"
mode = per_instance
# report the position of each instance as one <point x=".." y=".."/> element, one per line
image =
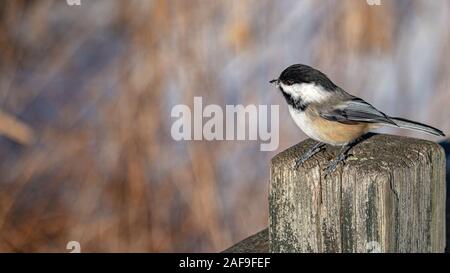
<point x="332" y="166"/>
<point x="299" y="161"/>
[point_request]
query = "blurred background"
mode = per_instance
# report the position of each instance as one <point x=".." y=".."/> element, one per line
<point x="86" y="93"/>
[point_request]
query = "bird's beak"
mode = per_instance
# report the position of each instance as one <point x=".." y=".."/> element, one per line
<point x="274" y="81"/>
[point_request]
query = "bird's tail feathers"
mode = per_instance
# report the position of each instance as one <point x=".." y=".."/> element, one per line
<point x="413" y="125"/>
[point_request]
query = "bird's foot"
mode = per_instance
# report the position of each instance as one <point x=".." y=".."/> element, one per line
<point x="311" y="152"/>
<point x="299" y="161"/>
<point x="332" y="166"/>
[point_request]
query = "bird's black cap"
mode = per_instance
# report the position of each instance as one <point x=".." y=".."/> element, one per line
<point x="300" y="73"/>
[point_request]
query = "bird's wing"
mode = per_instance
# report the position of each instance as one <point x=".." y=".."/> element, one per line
<point x="356" y="110"/>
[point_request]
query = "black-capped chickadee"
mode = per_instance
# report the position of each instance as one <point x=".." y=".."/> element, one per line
<point x="329" y="115"/>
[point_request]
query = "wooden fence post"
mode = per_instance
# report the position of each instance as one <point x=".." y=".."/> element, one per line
<point x="389" y="197"/>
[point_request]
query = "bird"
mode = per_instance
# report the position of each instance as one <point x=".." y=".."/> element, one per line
<point x="329" y="115"/>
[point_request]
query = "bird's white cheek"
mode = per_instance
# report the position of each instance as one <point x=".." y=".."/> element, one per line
<point x="307" y="92"/>
<point x="291" y="90"/>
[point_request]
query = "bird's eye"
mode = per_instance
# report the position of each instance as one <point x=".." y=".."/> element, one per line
<point x="289" y="82"/>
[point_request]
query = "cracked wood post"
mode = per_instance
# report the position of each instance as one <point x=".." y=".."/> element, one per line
<point x="389" y="197"/>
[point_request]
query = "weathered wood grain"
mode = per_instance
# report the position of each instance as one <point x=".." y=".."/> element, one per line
<point x="389" y="197"/>
<point x="257" y="243"/>
<point x="446" y="145"/>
